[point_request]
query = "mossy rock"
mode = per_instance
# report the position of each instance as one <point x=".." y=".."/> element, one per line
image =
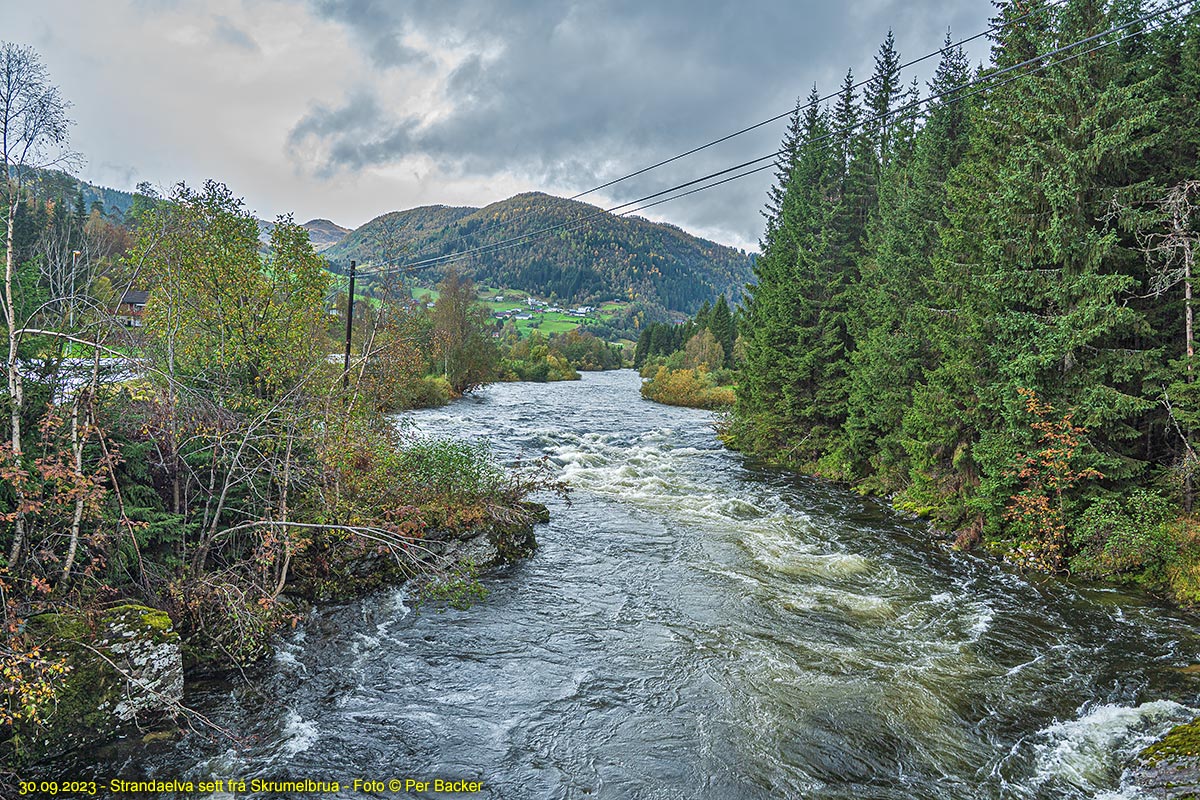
<point x="125" y="664"/>
<point x="343" y="570"/>
<point x="540" y="513"/>
<point x="1169" y="769"/>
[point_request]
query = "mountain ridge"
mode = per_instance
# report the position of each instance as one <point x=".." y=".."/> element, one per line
<point x="555" y="247"/>
<point x="535" y="242"/>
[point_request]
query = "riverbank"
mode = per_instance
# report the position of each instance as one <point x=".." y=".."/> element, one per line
<point x="1138" y="539"/>
<point x="698" y="623"/>
<point x="1169" y="767"/>
<point x="128" y="665"/>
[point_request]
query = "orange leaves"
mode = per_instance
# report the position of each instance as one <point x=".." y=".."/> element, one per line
<point x="1038" y="511"/>
<point x="1053" y="464"/>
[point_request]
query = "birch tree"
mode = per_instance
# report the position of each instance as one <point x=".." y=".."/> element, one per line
<point x="33" y="136"/>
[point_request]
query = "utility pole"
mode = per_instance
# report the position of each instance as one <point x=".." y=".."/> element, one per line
<point x="349" y="329"/>
<point x="75" y="254"/>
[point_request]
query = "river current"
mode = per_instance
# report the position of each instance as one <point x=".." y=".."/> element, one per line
<point x="695" y="625"/>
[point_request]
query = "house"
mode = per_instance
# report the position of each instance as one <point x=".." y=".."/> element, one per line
<point x="129" y="310"/>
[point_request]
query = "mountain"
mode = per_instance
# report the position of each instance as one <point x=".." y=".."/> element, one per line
<point x="589" y="255"/>
<point x="53" y="183"/>
<point x="397" y="232"/>
<point x="323" y="233"/>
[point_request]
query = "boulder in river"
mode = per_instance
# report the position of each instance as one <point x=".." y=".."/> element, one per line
<point x="125" y="665"/>
<point x="1169" y="769"/>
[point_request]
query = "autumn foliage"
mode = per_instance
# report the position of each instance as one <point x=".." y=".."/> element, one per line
<point x="1038" y="513"/>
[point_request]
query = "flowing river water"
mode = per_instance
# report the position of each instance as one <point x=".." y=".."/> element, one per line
<point x="698" y="626"/>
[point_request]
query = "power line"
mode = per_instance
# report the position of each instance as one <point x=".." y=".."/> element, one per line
<point x="573" y="224"/>
<point x="578" y="224"/>
<point x="811" y="103"/>
<point x="957" y="99"/>
<point x="799" y="107"/>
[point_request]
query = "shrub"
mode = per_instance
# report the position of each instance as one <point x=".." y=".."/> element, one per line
<point x="687" y="387"/>
<point x="1126" y="538"/>
<point x="428" y="392"/>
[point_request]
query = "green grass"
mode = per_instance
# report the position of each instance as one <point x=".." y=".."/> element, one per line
<point x="553" y="322"/>
<point x="550" y="323"/>
<point x="421" y="292"/>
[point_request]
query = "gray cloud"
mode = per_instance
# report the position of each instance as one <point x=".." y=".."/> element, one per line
<point x="377" y="26"/>
<point x="340" y="130"/>
<point x="349" y="108"/>
<point x="225" y="32"/>
<point x="571" y="95"/>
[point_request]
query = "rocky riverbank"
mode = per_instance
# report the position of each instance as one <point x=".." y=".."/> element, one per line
<point x="126" y="665"/>
<point x="1169" y="769"/>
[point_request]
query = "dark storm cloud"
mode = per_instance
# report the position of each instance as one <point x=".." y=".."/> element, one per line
<point x="377" y="26"/>
<point x="347" y="130"/>
<point x="226" y="32"/>
<point x="574" y="94"/>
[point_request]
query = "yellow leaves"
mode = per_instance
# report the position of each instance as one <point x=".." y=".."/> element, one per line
<point x="31" y="681"/>
<point x="222" y="309"/>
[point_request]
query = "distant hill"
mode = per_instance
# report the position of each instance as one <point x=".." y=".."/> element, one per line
<point x="323" y="233"/>
<point x="397" y="232"/>
<point x="52" y="183"/>
<point x="606" y="257"/>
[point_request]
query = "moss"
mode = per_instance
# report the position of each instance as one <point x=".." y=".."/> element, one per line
<point x="1182" y="741"/>
<point x="923" y="510"/>
<point x="158" y="621"/>
<point x="151" y="619"/>
<point x="58" y="626"/>
<point x="93" y="699"/>
<point x="540" y="512"/>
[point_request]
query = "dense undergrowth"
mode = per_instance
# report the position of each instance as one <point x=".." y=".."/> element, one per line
<point x="214" y="462"/>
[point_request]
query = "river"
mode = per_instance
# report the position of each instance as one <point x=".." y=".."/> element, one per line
<point x="698" y="626"/>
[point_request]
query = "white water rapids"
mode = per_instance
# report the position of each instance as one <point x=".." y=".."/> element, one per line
<point x="696" y="626"/>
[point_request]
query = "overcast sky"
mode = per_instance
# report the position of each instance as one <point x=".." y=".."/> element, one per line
<point x="347" y="109"/>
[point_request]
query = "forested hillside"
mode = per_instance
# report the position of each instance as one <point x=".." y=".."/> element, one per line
<point x="984" y="309"/>
<point x="82" y="195"/>
<point x="592" y="257"/>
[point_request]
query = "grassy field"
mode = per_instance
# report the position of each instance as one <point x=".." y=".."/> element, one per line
<point x="548" y="322"/>
<point x="555" y="322"/>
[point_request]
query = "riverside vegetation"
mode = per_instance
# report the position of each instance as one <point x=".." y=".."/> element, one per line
<point x="983" y="311"/>
<point x="206" y="459"/>
<point x="694" y="363"/>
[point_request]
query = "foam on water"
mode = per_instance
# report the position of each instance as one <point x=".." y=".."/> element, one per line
<point x="708" y="627"/>
<point x="298" y="733"/>
<point x="1088" y="752"/>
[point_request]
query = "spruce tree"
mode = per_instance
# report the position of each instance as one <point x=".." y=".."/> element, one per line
<point x="720" y="322"/>
<point x="1033" y="278"/>
<point x="882" y="98"/>
<point x="776" y="398"/>
<point x="890" y="326"/>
